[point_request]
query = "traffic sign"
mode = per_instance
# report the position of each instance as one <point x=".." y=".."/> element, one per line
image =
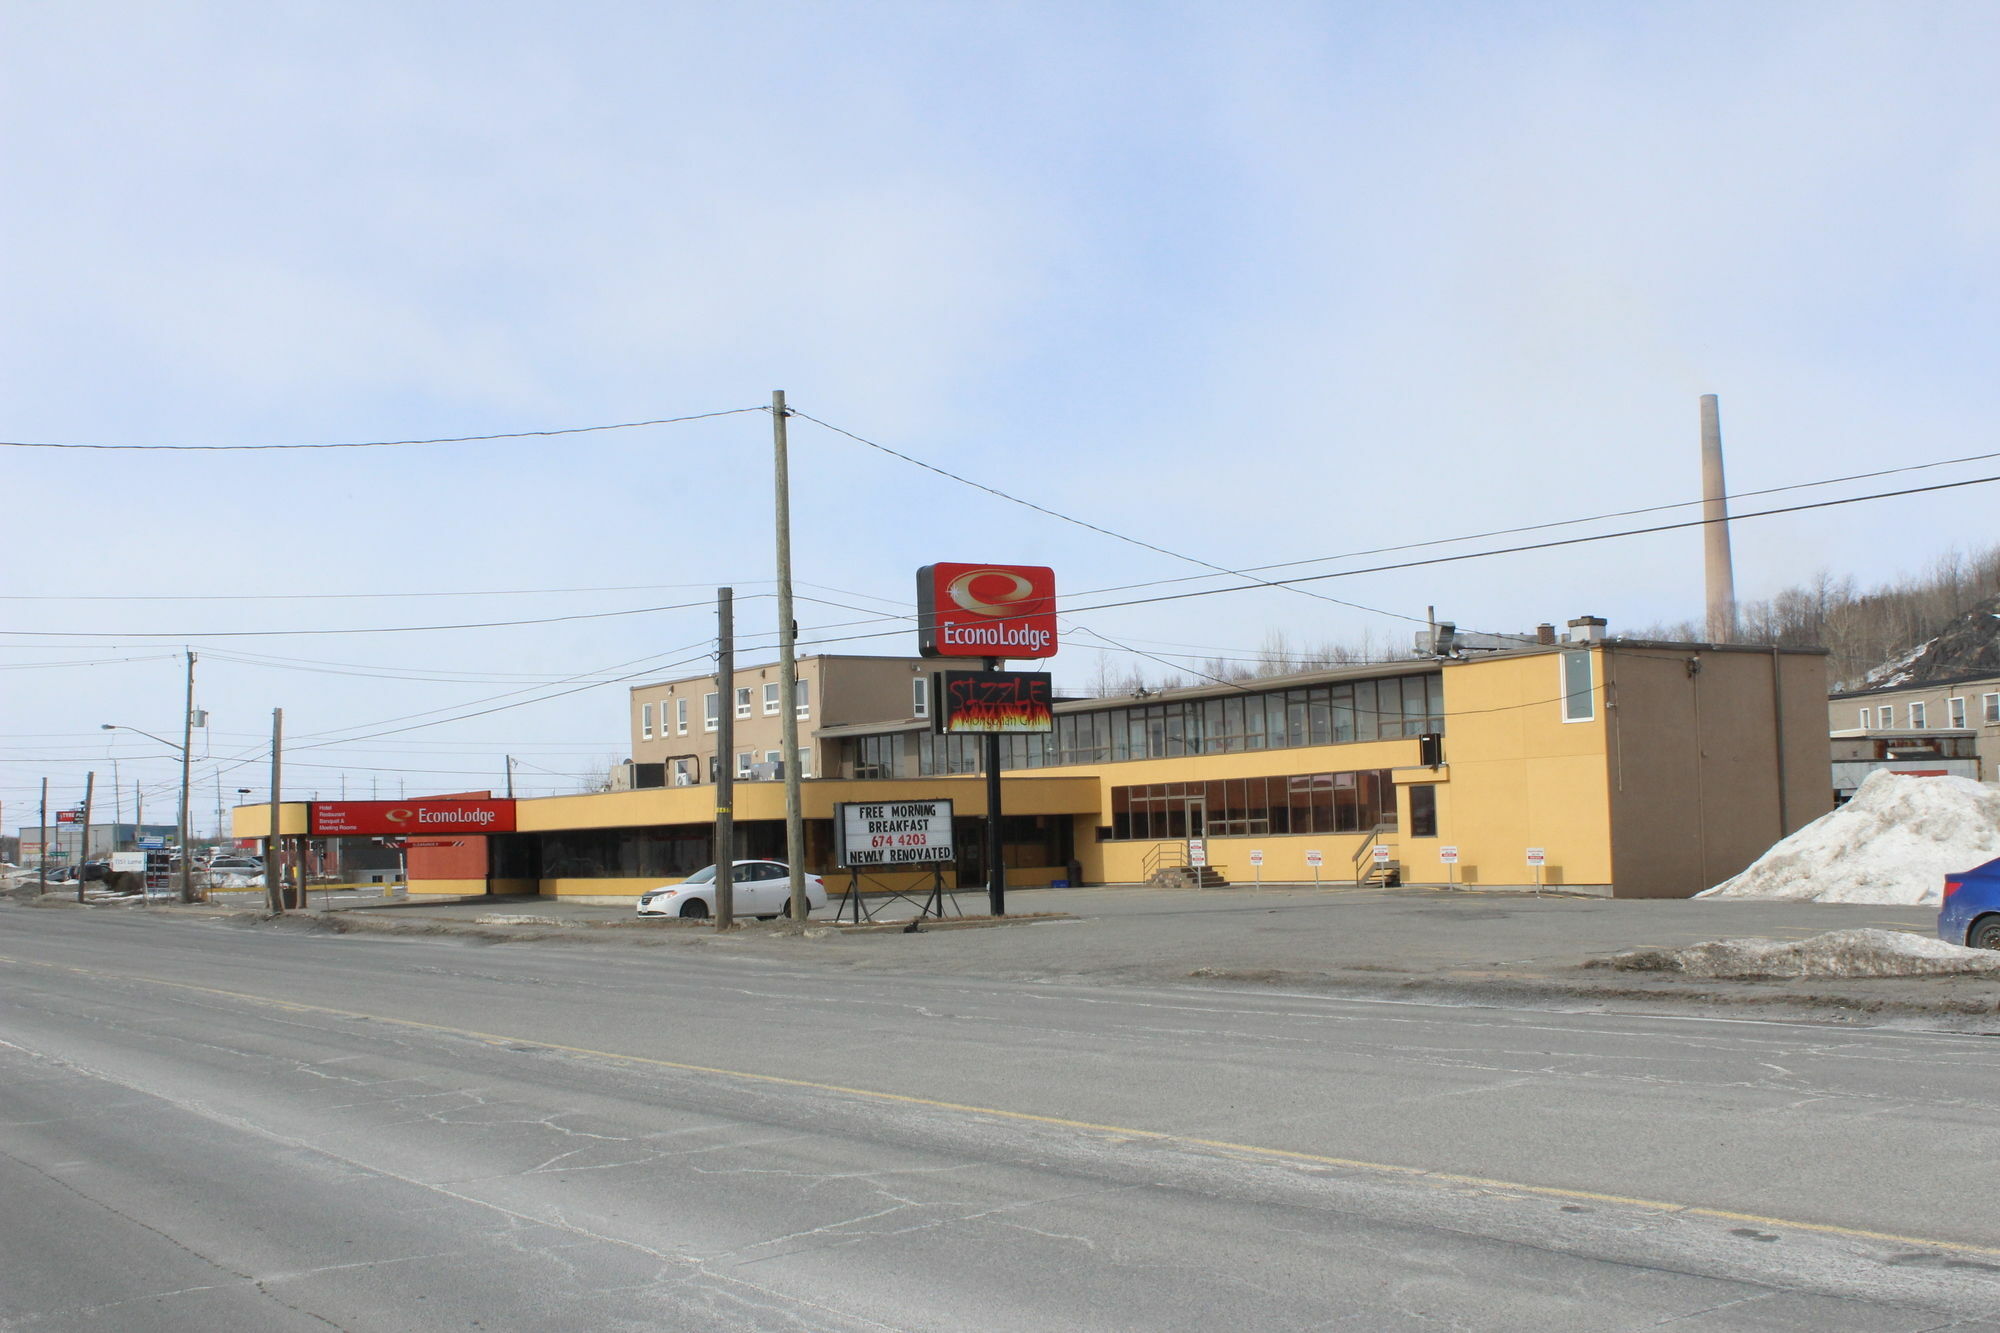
<point x="1197" y="852"/>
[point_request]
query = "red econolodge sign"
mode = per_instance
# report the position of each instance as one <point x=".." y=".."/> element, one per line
<point x="986" y="611"/>
<point x="414" y="818"/>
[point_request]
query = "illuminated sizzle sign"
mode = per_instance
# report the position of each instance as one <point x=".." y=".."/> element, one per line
<point x="986" y="611"/>
<point x="375" y="818"/>
<point x="1009" y="702"/>
<point x="892" y="833"/>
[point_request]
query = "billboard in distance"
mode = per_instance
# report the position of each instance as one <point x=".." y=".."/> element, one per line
<point x="986" y="611"/>
<point x="973" y="703"/>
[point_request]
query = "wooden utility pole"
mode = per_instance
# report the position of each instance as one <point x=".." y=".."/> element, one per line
<point x="83" y="843"/>
<point x="187" y="759"/>
<point x="725" y="759"/>
<point x="274" y="847"/>
<point x="788" y="666"/>
<point x="510" y="777"/>
<point x="42" y="862"/>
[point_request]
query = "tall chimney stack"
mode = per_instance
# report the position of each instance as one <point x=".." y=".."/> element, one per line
<point x="1719" y="575"/>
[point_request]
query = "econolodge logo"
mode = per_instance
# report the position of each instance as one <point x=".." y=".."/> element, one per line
<point x="986" y="610"/>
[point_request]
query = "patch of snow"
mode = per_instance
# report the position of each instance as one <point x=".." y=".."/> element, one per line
<point x="1894" y="843"/>
<point x="1837" y="953"/>
<point x="1898" y="671"/>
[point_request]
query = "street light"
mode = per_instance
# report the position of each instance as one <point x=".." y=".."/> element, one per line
<point x="187" y="853"/>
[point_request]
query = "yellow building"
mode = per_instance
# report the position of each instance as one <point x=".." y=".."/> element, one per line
<point x="1637" y="769"/>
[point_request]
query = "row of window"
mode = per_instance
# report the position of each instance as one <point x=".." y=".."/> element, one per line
<point x="1229" y="807"/>
<point x="711" y="708"/>
<point x="1885" y="716"/>
<point x="1362" y="710"/>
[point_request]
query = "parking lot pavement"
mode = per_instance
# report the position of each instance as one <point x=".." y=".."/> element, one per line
<point x="1463" y="945"/>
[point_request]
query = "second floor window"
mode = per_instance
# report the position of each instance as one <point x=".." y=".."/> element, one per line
<point x="1954" y="712"/>
<point x="681" y="716"/>
<point x="743" y="701"/>
<point x="645" y="725"/>
<point x="711" y="712"/>
<point x="771" y="698"/>
<point x="802" y="699"/>
<point x="1918" y="715"/>
<point x="920" y="697"/>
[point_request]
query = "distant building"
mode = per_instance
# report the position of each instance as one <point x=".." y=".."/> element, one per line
<point x="1969" y="704"/>
<point x="1859" y="751"/>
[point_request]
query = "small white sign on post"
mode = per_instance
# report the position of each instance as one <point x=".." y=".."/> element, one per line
<point x="1257" y="866"/>
<point x="1380" y="853"/>
<point x="129" y="862"/>
<point x="1256" y="856"/>
<point x="1314" y="858"/>
<point x="1197" y="852"/>
<point x="1448" y="856"/>
<point x="1537" y="856"/>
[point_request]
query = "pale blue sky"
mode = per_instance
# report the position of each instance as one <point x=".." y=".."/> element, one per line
<point x="1254" y="282"/>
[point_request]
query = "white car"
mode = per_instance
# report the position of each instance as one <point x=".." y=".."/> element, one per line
<point x="762" y="889"/>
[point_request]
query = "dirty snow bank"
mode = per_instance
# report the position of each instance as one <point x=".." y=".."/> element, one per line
<point x="1893" y="843"/>
<point x="1837" y="953"/>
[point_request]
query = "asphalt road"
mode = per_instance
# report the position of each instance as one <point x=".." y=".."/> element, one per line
<point x="216" y="1128"/>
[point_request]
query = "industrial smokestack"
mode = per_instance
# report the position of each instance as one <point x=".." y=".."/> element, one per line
<point x="1719" y="574"/>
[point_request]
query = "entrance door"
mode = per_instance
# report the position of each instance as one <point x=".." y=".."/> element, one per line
<point x="1197" y="816"/>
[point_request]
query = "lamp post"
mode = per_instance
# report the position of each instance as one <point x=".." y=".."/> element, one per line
<point x="187" y="852"/>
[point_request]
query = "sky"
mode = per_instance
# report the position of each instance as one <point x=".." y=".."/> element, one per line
<point x="1241" y="283"/>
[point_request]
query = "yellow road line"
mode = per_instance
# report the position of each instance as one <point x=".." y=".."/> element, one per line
<point x="1418" y="1173"/>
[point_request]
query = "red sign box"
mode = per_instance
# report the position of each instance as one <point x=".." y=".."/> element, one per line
<point x="976" y="702"/>
<point x="986" y="611"/>
<point x="414" y="818"/>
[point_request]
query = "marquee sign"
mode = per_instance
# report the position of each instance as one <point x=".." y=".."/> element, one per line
<point x="885" y="834"/>
<point x="971" y="703"/>
<point x="396" y="818"/>
<point x="986" y="611"/>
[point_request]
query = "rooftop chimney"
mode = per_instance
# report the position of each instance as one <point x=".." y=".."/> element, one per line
<point x="1586" y="629"/>
<point x="1545" y="633"/>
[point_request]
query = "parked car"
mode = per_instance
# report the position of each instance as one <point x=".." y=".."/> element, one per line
<point x="761" y="889"/>
<point x="235" y="865"/>
<point x="1970" y="912"/>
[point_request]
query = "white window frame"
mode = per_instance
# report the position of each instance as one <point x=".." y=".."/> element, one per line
<point x="1570" y="695"/>
<point x="1989" y="709"/>
<point x="1867" y="719"/>
<point x="802" y="698"/>
<point x="771" y="701"/>
<point x="1885" y="717"/>
<point x="1920" y="715"/>
<point x="920" y="696"/>
<point x="645" y="724"/>
<point x="805" y="761"/>
<point x="681" y="716"/>
<point x="743" y="701"/>
<point x="745" y="759"/>
<point x="711" y="710"/>
<point x="1954" y="712"/>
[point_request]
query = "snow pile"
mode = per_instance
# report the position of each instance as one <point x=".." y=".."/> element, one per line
<point x="1893" y="843"/>
<point x="1837" y="953"/>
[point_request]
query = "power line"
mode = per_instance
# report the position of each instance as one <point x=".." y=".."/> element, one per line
<point x="1083" y="523"/>
<point x="386" y="629"/>
<point x="383" y="444"/>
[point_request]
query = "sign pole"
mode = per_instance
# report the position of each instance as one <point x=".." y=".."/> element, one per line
<point x="996" y="873"/>
<point x="42" y="861"/>
<point x="725" y="759"/>
<point x="187" y="761"/>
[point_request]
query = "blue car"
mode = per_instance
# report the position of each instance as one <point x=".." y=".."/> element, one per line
<point x="1970" y="914"/>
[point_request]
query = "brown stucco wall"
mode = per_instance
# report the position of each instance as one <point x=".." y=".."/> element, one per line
<point x="1695" y="757"/>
